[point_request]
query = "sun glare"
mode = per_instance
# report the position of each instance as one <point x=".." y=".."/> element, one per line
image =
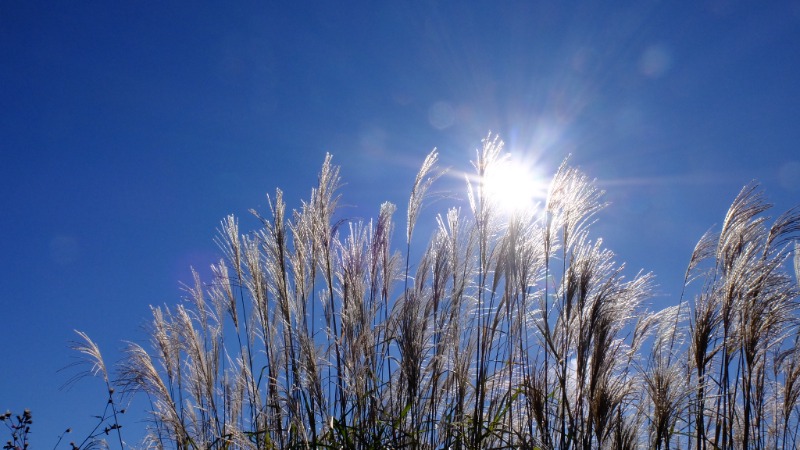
<point x="514" y="186"/>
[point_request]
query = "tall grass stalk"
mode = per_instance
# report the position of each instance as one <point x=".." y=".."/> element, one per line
<point x="511" y="330"/>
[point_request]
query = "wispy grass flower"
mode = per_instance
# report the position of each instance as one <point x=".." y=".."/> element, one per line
<point x="505" y="331"/>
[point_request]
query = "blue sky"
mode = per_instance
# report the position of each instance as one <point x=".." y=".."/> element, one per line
<point x="128" y="131"/>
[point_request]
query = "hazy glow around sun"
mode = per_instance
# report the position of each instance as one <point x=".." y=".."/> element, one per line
<point x="514" y="185"/>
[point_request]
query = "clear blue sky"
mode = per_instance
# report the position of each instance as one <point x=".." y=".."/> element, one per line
<point x="128" y="131"/>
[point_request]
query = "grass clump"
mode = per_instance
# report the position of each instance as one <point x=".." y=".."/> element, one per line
<point x="511" y="330"/>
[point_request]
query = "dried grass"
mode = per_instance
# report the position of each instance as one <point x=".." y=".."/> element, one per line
<point x="517" y="331"/>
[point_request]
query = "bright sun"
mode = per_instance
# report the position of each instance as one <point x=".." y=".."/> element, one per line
<point x="514" y="186"/>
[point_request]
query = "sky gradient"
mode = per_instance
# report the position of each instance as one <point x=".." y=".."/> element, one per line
<point x="128" y="131"/>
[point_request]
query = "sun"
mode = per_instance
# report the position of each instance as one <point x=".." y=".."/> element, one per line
<point x="514" y="185"/>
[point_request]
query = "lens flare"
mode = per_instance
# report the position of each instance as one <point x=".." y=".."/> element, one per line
<point x="514" y="186"/>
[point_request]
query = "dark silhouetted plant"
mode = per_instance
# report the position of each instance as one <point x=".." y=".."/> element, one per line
<point x="19" y="426"/>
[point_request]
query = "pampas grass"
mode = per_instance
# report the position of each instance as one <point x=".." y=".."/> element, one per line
<point x="511" y="330"/>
